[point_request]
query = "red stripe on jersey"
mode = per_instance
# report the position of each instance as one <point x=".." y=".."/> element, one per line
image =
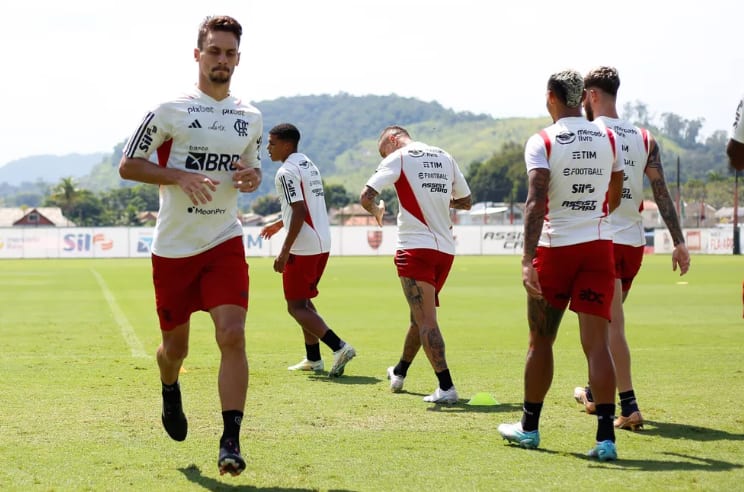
<point x="164" y="152"/>
<point x="407" y="199"/>
<point x="546" y="139"/>
<point x="611" y="137"/>
<point x="644" y="132"/>
<point x="308" y="218"/>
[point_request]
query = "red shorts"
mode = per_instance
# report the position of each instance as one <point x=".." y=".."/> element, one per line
<point x="198" y="283"/>
<point x="425" y="265"/>
<point x="301" y="276"/>
<point x="582" y="274"/>
<point x="628" y="261"/>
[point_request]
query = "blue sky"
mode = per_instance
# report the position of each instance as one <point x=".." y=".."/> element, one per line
<point x="78" y="75"/>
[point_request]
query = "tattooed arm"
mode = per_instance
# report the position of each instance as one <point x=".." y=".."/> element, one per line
<point x="464" y="203"/>
<point x="655" y="173"/>
<point x="534" y="215"/>
<point x="367" y="200"/>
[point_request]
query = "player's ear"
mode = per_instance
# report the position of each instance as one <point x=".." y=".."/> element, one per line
<point x="196" y="54"/>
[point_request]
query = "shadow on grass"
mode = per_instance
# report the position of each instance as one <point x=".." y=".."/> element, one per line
<point x="194" y="475"/>
<point x="462" y="406"/>
<point x="687" y="463"/>
<point x="348" y="379"/>
<point x="683" y="431"/>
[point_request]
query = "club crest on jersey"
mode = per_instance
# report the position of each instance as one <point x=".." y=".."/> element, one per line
<point x="565" y="138"/>
<point x="241" y="127"/>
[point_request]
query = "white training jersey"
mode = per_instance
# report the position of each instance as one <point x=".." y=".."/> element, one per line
<point x="632" y="149"/>
<point x="426" y="178"/>
<point x="296" y="180"/>
<point x="580" y="156"/>
<point x="737" y="131"/>
<point x="196" y="133"/>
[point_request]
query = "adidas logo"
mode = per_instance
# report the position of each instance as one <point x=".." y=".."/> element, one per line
<point x="195" y="124"/>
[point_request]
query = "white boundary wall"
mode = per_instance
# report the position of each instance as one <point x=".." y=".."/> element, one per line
<point x="132" y="242"/>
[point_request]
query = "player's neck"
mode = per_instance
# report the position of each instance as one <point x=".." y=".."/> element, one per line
<point x="218" y="92"/>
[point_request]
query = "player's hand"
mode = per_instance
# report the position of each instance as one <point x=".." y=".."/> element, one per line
<point x="197" y="187"/>
<point x="379" y="212"/>
<point x="270" y="229"/>
<point x="246" y="179"/>
<point x="531" y="281"/>
<point x="681" y="258"/>
<point x="280" y="262"/>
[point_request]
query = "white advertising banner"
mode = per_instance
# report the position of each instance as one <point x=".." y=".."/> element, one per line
<point x="135" y="242"/>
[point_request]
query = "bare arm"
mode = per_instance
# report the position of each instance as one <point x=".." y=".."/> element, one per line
<point x="464" y="203"/>
<point x="655" y="174"/>
<point x="615" y="191"/>
<point x="367" y="200"/>
<point x="271" y="229"/>
<point x="196" y="185"/>
<point x="534" y="216"/>
<point x="735" y="151"/>
<point x="299" y="211"/>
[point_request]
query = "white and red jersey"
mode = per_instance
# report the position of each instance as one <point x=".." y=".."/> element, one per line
<point x="581" y="157"/>
<point x="298" y="179"/>
<point x="196" y="133"/>
<point x="632" y="149"/>
<point x="426" y="179"/>
<point x="737" y="131"/>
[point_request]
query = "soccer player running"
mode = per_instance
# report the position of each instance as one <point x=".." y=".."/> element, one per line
<point x="639" y="152"/>
<point x="428" y="183"/>
<point x="574" y="182"/>
<point x="207" y="143"/>
<point x="305" y="249"/>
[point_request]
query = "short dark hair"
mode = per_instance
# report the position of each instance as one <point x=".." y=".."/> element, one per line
<point x="568" y="86"/>
<point x="286" y="132"/>
<point x="223" y="23"/>
<point x="394" y="129"/>
<point x="605" y="78"/>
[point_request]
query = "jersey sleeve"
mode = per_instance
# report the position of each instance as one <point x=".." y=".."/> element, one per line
<point x="150" y="134"/>
<point x="387" y="172"/>
<point x="737" y="131"/>
<point x="535" y="154"/>
<point x="252" y="155"/>
<point x="460" y="188"/>
<point x="289" y="182"/>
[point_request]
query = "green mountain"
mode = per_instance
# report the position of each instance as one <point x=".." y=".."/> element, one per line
<point x="339" y="133"/>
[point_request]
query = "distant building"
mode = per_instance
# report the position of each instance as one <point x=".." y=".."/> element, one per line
<point x="493" y="213"/>
<point x="34" y="217"/>
<point x="355" y="215"/>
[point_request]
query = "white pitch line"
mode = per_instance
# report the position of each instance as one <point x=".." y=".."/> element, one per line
<point x="135" y="345"/>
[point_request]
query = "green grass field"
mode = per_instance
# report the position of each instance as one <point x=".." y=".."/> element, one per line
<point x="80" y="394"/>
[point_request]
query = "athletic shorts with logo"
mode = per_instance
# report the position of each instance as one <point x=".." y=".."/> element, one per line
<point x="580" y="276"/>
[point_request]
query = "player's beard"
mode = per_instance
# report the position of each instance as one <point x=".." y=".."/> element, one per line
<point x="220" y="76"/>
<point x="589" y="111"/>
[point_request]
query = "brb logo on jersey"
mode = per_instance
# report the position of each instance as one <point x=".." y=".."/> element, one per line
<point x="205" y="161"/>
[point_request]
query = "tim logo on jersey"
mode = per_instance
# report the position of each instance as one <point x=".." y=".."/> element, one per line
<point x="201" y="161"/>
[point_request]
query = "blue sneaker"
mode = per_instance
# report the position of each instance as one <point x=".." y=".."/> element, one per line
<point x="604" y="451"/>
<point x="514" y="433"/>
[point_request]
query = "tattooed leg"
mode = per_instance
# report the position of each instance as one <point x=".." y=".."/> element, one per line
<point x="421" y="301"/>
<point x="538" y="371"/>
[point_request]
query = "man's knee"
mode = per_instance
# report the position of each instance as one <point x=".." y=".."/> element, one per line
<point x="231" y="335"/>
